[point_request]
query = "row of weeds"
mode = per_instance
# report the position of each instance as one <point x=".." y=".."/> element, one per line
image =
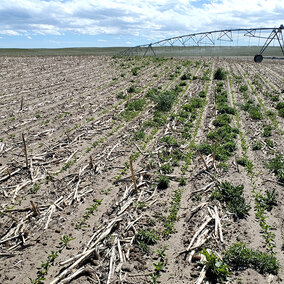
<point x="221" y="142"/>
<point x="238" y="256"/>
<point x="273" y="95"/>
<point x="169" y="158"/>
<point x="188" y="118"/>
<point x="223" y="136"/>
<point x="263" y="201"/>
<point x="255" y="87"/>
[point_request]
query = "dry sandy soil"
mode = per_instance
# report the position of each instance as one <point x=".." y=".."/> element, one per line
<point x="72" y="211"/>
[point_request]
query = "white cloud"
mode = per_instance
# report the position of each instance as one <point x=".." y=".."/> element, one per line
<point x="145" y="18"/>
<point x="9" y="32"/>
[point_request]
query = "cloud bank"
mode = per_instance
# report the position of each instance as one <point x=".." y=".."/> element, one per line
<point x="151" y="20"/>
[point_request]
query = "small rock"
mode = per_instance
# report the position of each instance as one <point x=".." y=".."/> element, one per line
<point x="95" y="262"/>
<point x="127" y="267"/>
<point x="196" y="257"/>
<point x="136" y="250"/>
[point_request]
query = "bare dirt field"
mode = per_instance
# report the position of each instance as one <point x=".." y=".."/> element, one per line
<point x="141" y="170"/>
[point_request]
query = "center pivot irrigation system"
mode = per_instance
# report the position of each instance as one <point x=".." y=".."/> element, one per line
<point x="253" y="39"/>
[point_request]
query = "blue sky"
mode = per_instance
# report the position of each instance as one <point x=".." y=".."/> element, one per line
<point x="99" y="23"/>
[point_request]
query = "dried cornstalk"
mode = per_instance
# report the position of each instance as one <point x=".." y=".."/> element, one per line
<point x="77" y="186"/>
<point x="2" y="146"/>
<point x="132" y="223"/>
<point x="51" y="209"/>
<point x="71" y="156"/>
<point x="108" y="155"/>
<point x="203" y="160"/>
<point x="201" y="276"/>
<point x="106" y="232"/>
<point x="214" y="155"/>
<point x="200" y="241"/>
<point x="129" y="248"/>
<point x="138" y="148"/>
<point x="73" y="258"/>
<point x="25" y="150"/>
<point x="121" y="255"/>
<point x="202" y="227"/>
<point x="26" y="155"/>
<point x="72" y="276"/>
<point x="133" y="176"/>
<point x="141" y="193"/>
<point x="218" y="222"/>
<point x="9" y="175"/>
<point x="35" y="208"/>
<point x="125" y="206"/>
<point x="95" y="235"/>
<point x="22" y="103"/>
<point x="86" y="255"/>
<point x="91" y="163"/>
<point x="200" y="206"/>
<point x="111" y="264"/>
<point x="19" y="187"/>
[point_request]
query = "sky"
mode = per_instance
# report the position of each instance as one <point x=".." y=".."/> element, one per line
<point x="100" y="23"/>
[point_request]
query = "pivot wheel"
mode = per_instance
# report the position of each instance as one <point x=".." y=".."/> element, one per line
<point x="258" y="58"/>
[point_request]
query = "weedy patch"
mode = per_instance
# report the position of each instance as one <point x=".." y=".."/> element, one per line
<point x="139" y="135"/>
<point x="239" y="257"/>
<point x="216" y="270"/>
<point x="133" y="108"/>
<point x="257" y="146"/>
<point x="269" y="200"/>
<point x="186" y="76"/>
<point x="170" y="141"/>
<point x="222" y="120"/>
<point x="280" y="108"/>
<point x="132" y="89"/>
<point x="225" y="137"/>
<point x="266" y="229"/>
<point x="267" y="131"/>
<point x="166" y="169"/>
<point x="253" y="110"/>
<point x="243" y="88"/>
<point x="163" y="182"/>
<point x="276" y="165"/>
<point x="145" y="238"/>
<point x="134" y="71"/>
<point x="232" y="196"/>
<point x="220" y="74"/>
<point x="120" y="96"/>
<point x="165" y="101"/>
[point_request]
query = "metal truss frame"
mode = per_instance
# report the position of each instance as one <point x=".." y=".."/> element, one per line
<point x="210" y="39"/>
